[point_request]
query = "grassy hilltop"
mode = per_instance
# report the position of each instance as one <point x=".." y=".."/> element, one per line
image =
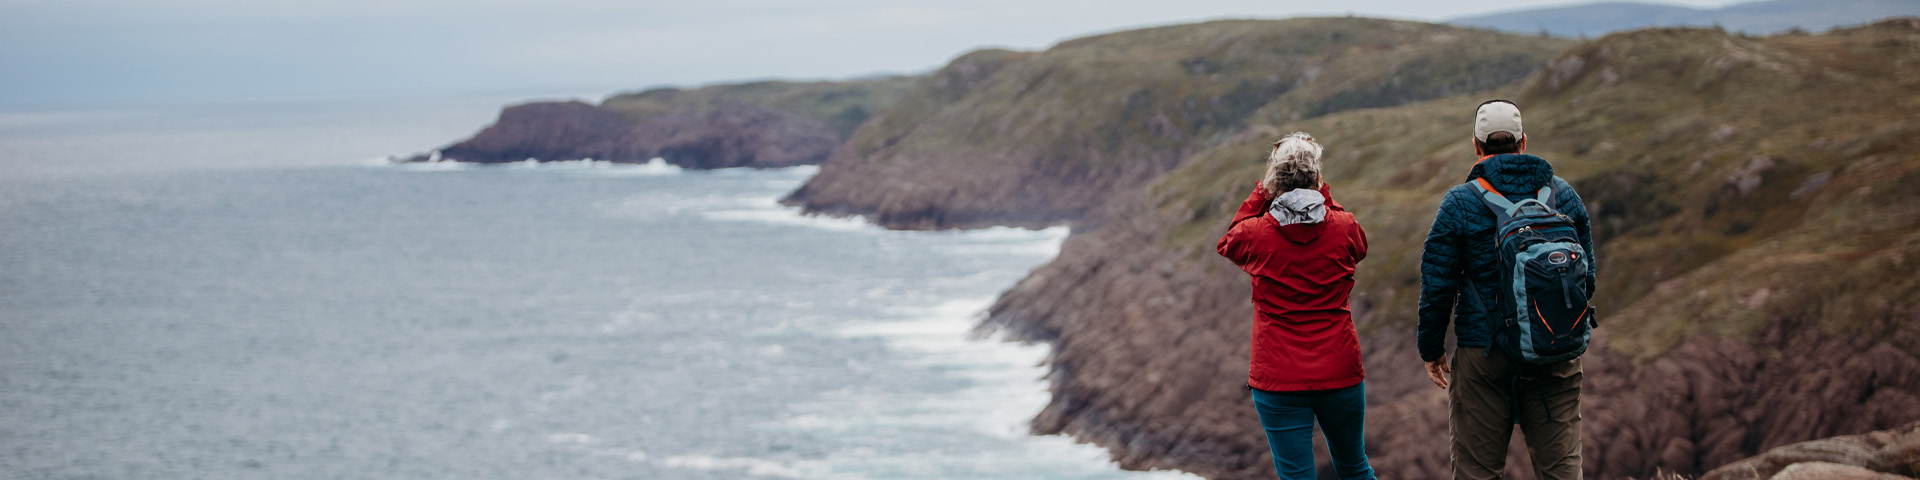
<point x="1709" y="160"/>
<point x="842" y="105"/>
<point x="1757" y="220"/>
<point x="1036" y="138"/>
<point x="757" y="124"/>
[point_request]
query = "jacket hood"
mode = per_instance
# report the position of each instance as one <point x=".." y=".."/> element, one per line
<point x="1514" y="173"/>
<point x="1299" y="206"/>
<point x="1301" y="215"/>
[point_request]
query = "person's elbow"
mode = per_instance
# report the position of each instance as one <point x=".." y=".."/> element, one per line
<point x="1232" y="251"/>
<point x="1359" y="245"/>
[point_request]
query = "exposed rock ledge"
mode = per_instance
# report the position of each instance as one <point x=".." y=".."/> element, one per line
<point x="1893" y="453"/>
<point x="731" y="135"/>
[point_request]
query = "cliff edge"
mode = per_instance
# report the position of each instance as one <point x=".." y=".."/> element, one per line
<point x="1753" y="199"/>
<point x="760" y="125"/>
<point x="1001" y="137"/>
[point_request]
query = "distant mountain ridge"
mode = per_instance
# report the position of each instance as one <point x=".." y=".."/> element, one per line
<point x="1596" y="19"/>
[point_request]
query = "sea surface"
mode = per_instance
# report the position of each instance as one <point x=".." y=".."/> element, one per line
<point x="249" y="291"/>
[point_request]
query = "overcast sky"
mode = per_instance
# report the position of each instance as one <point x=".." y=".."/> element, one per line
<point x="110" y="51"/>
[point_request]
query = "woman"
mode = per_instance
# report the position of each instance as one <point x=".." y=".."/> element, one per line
<point x="1301" y="248"/>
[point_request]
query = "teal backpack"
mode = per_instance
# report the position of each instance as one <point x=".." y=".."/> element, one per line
<point x="1541" y="315"/>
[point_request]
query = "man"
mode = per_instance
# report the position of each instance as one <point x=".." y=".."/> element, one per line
<point x="1489" y="391"/>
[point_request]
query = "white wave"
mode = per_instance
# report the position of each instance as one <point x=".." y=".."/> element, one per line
<point x="1004" y="389"/>
<point x="750" y="466"/>
<point x="603" y="168"/>
<point x="587" y="166"/>
<point x="1011" y="241"/>
<point x="950" y="320"/>
<point x="768" y="210"/>
<point x="572" y="438"/>
<point x="802" y="171"/>
<point x="656" y="167"/>
<point x="1014" y="234"/>
<point x="441" y="166"/>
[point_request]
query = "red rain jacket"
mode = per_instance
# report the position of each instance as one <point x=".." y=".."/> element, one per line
<point x="1303" y="333"/>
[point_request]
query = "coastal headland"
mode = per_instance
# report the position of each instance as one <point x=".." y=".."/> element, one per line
<point x="1753" y="199"/>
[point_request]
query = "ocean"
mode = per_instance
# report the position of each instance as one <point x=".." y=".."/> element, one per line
<point x="247" y="290"/>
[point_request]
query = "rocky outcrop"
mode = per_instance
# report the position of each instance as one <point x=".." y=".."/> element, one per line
<point x="1040" y="138"/>
<point x="549" y="130"/>
<point x="1120" y="291"/>
<point x="1886" y="454"/>
<point x="758" y="124"/>
<point x="1831" y="471"/>
<point x="1735" y="318"/>
<point x="732" y="135"/>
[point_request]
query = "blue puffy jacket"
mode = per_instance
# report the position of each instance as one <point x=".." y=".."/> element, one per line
<point x="1461" y="243"/>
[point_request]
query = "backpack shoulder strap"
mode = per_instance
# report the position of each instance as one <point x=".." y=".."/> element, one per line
<point x="1494" y="199"/>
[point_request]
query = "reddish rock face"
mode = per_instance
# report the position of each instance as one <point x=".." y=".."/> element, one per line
<point x="1709" y="365"/>
<point x="1885" y="454"/>
<point x="733" y="135"/>
<point x="1116" y="293"/>
<point x="544" y="130"/>
<point x="730" y="136"/>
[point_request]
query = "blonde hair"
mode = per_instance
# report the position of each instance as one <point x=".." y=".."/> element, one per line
<point x="1293" y="163"/>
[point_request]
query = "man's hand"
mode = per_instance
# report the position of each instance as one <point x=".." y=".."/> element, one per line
<point x="1437" y="371"/>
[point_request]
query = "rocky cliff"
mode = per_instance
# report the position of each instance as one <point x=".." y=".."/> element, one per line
<point x="1879" y="455"/>
<point x="1753" y="199"/>
<point x="1038" y="138"/>
<point x="761" y="124"/>
<point x="1757" y="226"/>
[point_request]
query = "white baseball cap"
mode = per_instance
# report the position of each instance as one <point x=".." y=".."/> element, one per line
<point x="1496" y="116"/>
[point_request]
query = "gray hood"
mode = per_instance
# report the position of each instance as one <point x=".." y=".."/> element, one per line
<point x="1300" y="205"/>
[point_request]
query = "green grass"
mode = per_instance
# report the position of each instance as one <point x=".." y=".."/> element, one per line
<point x="843" y="105"/>
<point x="1159" y="94"/>
<point x="1732" y="179"/>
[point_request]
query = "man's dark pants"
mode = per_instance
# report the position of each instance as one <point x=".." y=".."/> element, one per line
<point x="1481" y="421"/>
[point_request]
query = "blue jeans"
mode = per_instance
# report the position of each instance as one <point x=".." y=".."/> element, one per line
<point x="1288" y="418"/>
